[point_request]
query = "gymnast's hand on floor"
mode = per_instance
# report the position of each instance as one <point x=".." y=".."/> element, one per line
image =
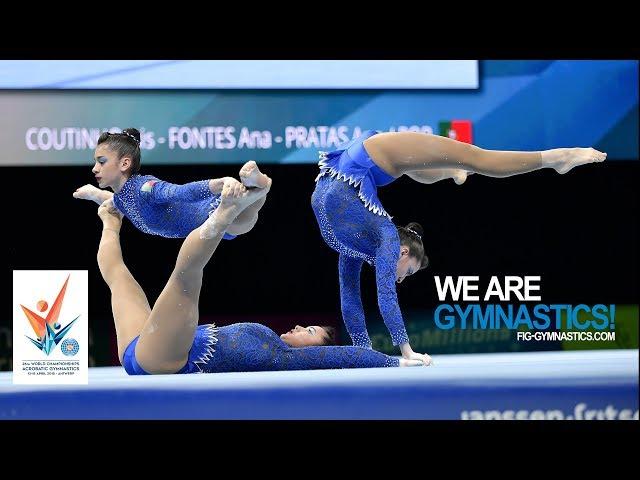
<point x="405" y="362"/>
<point x="409" y="354"/>
<point x="422" y="357"/>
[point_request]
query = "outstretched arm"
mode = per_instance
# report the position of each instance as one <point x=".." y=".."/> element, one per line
<point x="329" y="357"/>
<point x="386" y="261"/>
<point x="352" y="311"/>
<point x="159" y="191"/>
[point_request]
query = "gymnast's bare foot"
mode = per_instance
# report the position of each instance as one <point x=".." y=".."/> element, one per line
<point x="89" y="192"/>
<point x="110" y="215"/>
<point x="251" y="176"/>
<point x="564" y="159"/>
<point x="235" y="197"/>
<point x="460" y="176"/>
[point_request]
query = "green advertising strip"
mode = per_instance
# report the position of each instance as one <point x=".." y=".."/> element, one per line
<point x="425" y="336"/>
<point x="626" y="331"/>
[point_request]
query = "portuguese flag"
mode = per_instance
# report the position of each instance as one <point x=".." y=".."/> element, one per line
<point x="458" y="130"/>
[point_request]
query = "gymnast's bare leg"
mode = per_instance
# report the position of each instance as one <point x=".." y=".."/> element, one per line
<point x="412" y="153"/>
<point x="167" y="330"/>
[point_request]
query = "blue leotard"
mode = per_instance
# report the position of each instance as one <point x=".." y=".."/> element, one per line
<point x="252" y="347"/>
<point x="353" y="222"/>
<point x="162" y="208"/>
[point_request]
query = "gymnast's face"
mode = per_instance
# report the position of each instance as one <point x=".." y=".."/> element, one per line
<point x="407" y="265"/>
<point x="305" y="336"/>
<point x="108" y="169"/>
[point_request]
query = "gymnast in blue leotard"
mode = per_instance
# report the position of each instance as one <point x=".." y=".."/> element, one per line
<point x="353" y="221"/>
<point x="158" y="207"/>
<point x="166" y="339"/>
<point x="252" y="347"/>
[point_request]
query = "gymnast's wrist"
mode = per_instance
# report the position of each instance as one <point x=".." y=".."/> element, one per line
<point x="406" y="350"/>
<point x="111" y="229"/>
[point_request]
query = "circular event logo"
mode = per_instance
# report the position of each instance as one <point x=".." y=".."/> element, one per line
<point x="70" y="347"/>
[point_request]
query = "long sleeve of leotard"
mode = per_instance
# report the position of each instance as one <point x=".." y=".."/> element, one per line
<point x="250" y="347"/>
<point x="327" y="357"/>
<point x="349" y="269"/>
<point x="386" y="263"/>
<point x="162" y="208"/>
<point x="160" y="191"/>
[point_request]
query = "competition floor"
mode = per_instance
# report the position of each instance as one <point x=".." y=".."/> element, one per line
<point x="552" y="385"/>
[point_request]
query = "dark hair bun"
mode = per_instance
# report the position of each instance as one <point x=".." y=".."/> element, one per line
<point x="134" y="132"/>
<point x="416" y="227"/>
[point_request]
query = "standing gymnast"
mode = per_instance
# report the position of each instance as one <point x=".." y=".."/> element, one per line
<point x="353" y="221"/>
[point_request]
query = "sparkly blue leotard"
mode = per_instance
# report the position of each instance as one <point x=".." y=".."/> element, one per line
<point x="162" y="208"/>
<point x="354" y="223"/>
<point x="251" y="347"/>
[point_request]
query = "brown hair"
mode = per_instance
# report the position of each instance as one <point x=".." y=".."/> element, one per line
<point x="125" y="144"/>
<point x="411" y="236"/>
<point x="330" y="337"/>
